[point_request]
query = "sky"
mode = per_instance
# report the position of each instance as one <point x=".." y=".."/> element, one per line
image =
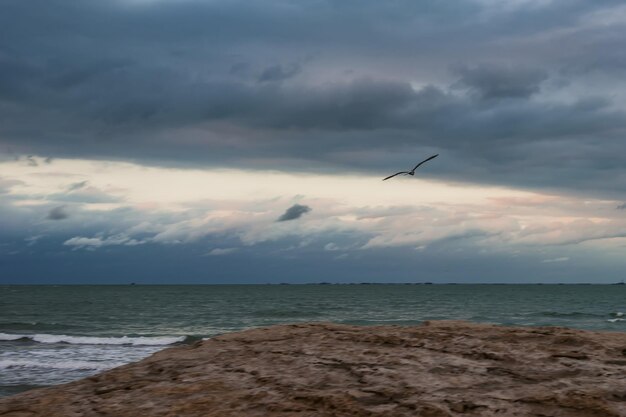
<point x="230" y="141"/>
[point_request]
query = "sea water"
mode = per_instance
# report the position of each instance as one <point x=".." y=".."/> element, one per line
<point x="55" y="334"/>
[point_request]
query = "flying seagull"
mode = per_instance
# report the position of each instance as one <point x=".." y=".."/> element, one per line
<point x="411" y="172"/>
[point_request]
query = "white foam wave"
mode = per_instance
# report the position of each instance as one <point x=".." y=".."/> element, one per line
<point x="615" y="320"/>
<point x="7" y="337"/>
<point x="90" y="340"/>
<point x="65" y="364"/>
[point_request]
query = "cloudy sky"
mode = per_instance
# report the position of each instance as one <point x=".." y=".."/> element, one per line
<point x="219" y="141"/>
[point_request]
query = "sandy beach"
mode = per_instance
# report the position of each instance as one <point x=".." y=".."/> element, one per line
<point x="442" y="368"/>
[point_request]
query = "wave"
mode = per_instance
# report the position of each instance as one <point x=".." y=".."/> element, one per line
<point x="91" y="340"/>
<point x="62" y="364"/>
<point x="615" y="320"/>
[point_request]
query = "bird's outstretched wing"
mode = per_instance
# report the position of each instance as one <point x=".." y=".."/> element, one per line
<point x="425" y="160"/>
<point x="397" y="173"/>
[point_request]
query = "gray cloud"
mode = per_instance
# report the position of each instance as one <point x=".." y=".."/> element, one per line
<point x="31" y="161"/>
<point x="77" y="186"/>
<point x="79" y="242"/>
<point x="489" y="85"/>
<point x="501" y="82"/>
<point x="57" y="213"/>
<point x="553" y="260"/>
<point x="621" y="207"/>
<point x="294" y="212"/>
<point x="81" y="192"/>
<point x="32" y="240"/>
<point x="221" y="251"/>
<point x="6" y="184"/>
<point x="87" y="196"/>
<point x="278" y="73"/>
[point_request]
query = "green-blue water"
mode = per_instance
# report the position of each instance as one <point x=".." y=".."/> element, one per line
<point x="55" y="334"/>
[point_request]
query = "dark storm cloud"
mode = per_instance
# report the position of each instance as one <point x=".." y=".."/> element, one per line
<point x="501" y="82"/>
<point x="294" y="212"/>
<point x="234" y="83"/>
<point x="57" y="213"/>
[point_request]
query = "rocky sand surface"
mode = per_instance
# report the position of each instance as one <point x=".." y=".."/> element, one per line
<point x="437" y="369"/>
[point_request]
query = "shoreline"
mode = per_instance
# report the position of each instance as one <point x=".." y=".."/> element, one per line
<point x="441" y="368"/>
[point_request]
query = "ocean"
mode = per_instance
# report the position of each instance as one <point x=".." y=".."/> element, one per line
<point x="55" y="334"/>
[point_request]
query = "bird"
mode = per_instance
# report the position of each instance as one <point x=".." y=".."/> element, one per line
<point x="411" y="172"/>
